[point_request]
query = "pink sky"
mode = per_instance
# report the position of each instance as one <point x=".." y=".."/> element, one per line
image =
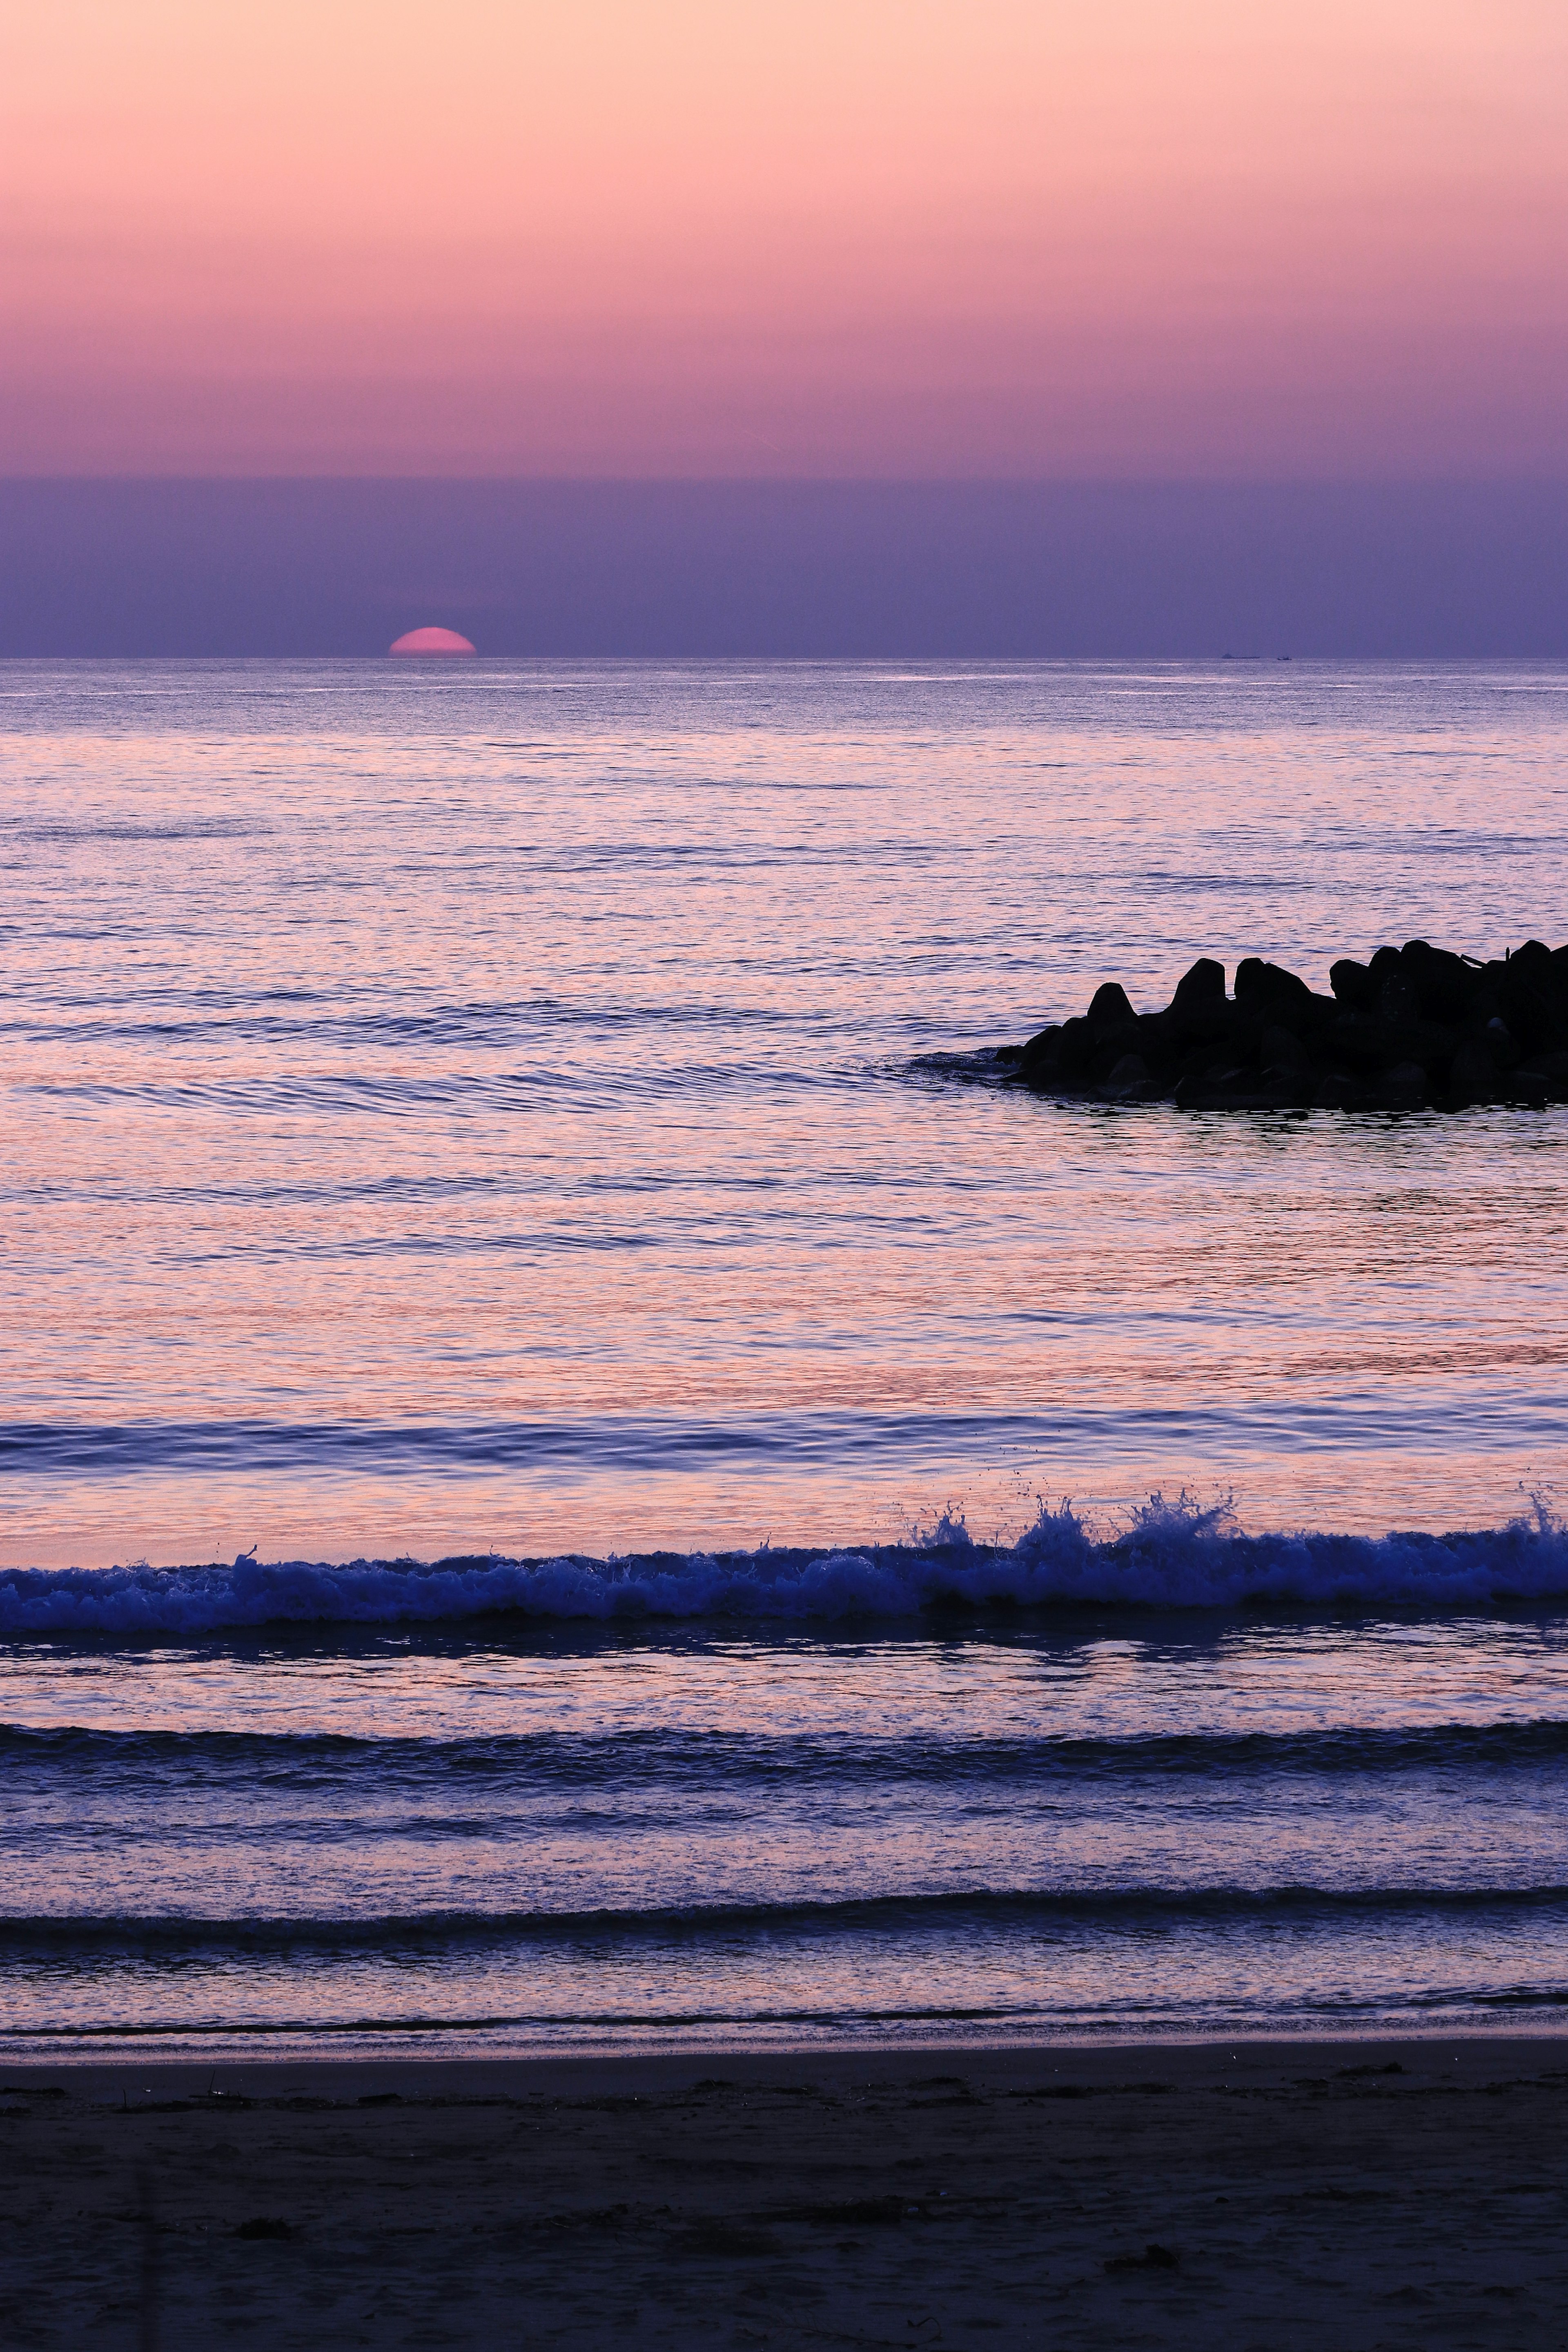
<point x="946" y="237"/>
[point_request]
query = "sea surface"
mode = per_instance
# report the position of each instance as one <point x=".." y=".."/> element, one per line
<point x="574" y="1472"/>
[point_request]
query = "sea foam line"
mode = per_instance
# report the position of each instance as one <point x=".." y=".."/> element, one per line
<point x="1172" y="1556"/>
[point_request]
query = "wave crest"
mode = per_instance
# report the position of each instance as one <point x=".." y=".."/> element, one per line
<point x="1172" y="1555"/>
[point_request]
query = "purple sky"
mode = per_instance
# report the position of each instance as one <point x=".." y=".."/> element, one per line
<point x="324" y="567"/>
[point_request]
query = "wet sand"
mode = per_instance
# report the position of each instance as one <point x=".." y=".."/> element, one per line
<point x="1254" y="2195"/>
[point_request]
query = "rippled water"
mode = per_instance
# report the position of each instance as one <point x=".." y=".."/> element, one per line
<point x="486" y="1112"/>
<point x="1118" y="1824"/>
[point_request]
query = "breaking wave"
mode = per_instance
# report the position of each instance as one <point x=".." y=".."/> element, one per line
<point x="1172" y="1555"/>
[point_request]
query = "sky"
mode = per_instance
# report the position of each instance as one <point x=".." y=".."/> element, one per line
<point x="653" y="569"/>
<point x="917" y="240"/>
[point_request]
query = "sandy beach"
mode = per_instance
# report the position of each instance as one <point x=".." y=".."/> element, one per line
<point x="1259" y="2194"/>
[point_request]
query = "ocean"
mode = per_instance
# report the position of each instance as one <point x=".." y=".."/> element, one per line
<point x="575" y="1472"/>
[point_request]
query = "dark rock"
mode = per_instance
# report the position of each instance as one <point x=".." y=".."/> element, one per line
<point x="1553" y="1069"/>
<point x="1042" y="1052"/>
<point x="1406" y="1086"/>
<point x="1287" y="1089"/>
<point x="1353" y="983"/>
<point x="1202" y="984"/>
<point x="1109" y="1010"/>
<point x="1536" y="1010"/>
<point x="1413" y="1025"/>
<point x="1491" y="989"/>
<point x="1272" y="992"/>
<point x="1108" y="1053"/>
<point x="1399" y="1002"/>
<point x="1150" y="1042"/>
<point x="1075" y="1047"/>
<point x="1498" y="1039"/>
<point x="1339" y="1090"/>
<point x="1204" y="1021"/>
<point x="1473" y="1076"/>
<point x="1281" y="1049"/>
<point x="1445" y="983"/>
<point x="1534" y="958"/>
<point x="1369" y="1046"/>
<point x="264" y="2226"/>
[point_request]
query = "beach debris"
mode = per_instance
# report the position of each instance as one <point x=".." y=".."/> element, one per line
<point x="1413" y="1028"/>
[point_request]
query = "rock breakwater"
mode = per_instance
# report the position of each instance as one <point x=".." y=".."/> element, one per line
<point x="1412" y="1028"/>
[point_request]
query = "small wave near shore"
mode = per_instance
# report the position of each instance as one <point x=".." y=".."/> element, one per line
<point x="1172" y="1555"/>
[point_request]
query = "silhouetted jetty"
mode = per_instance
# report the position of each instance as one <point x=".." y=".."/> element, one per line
<point x="1414" y="1026"/>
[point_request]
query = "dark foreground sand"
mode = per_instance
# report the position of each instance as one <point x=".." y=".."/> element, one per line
<point x="1295" y="2194"/>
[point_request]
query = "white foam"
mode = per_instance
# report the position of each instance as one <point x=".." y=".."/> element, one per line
<point x="1172" y="1556"/>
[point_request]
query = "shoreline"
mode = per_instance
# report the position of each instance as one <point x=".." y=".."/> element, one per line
<point x="1366" y="2192"/>
<point x="433" y="2056"/>
<point x="267" y="2073"/>
<point x="561" y="2074"/>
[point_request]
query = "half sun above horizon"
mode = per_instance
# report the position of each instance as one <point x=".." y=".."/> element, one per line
<point x="431" y="641"/>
